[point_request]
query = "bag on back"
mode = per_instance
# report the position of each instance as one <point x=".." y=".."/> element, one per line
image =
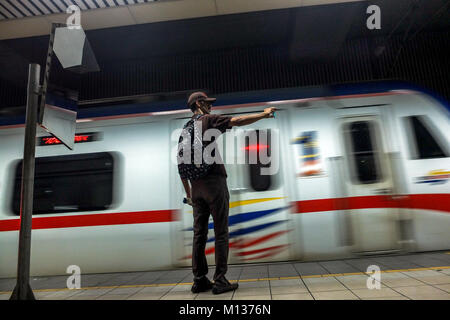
<point x="187" y="168"/>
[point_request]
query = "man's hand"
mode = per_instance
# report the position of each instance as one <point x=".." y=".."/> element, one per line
<point x="250" y="118"/>
<point x="189" y="202"/>
<point x="269" y="112"/>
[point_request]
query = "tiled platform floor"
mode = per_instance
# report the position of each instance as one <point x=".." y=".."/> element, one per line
<point x="403" y="277"/>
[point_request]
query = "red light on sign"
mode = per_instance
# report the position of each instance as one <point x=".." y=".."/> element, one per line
<point x="52" y="140"/>
<point x="256" y="147"/>
<point x="87" y="137"/>
<point x="81" y="138"/>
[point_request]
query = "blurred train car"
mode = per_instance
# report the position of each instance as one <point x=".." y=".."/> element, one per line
<point x="360" y="173"/>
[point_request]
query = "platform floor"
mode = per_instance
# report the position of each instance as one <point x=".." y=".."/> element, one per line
<point x="403" y="277"/>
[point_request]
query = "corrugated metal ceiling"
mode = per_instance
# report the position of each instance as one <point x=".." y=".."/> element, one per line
<point x="29" y="18"/>
<point x="15" y="9"/>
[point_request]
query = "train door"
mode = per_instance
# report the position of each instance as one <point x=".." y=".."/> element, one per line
<point x="258" y="204"/>
<point x="259" y="213"/>
<point x="369" y="183"/>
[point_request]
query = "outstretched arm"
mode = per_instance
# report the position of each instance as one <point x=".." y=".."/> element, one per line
<point x="248" y="119"/>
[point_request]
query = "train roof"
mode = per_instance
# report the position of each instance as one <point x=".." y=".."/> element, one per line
<point x="129" y="107"/>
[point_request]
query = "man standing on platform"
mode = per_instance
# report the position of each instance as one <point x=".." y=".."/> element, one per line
<point x="208" y="194"/>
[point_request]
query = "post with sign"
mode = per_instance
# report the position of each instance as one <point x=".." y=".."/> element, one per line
<point x="23" y="291"/>
<point x="74" y="53"/>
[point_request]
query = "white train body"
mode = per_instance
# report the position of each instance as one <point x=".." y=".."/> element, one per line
<point x="324" y="202"/>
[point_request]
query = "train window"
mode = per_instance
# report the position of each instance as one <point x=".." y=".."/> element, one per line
<point x="82" y="182"/>
<point x="426" y="145"/>
<point x="363" y="152"/>
<point x="253" y="150"/>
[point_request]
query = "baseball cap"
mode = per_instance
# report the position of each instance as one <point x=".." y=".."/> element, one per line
<point x="199" y="96"/>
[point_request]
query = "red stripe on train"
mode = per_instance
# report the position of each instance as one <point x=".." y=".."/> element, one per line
<point x="275" y="251"/>
<point x="90" y="220"/>
<point x="251" y="242"/>
<point x="251" y="252"/>
<point x="244" y="243"/>
<point x="439" y="202"/>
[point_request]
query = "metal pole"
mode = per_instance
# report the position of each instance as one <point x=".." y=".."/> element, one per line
<point x="23" y="291"/>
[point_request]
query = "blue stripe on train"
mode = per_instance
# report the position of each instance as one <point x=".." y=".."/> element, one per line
<point x="244" y="217"/>
<point x="250" y="97"/>
<point x="249" y="230"/>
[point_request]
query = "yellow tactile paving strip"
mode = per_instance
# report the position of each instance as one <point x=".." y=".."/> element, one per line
<point x="243" y="280"/>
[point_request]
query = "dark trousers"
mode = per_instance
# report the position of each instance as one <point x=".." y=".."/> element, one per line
<point x="210" y="196"/>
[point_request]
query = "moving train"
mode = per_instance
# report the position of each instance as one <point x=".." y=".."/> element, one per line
<point x="361" y="170"/>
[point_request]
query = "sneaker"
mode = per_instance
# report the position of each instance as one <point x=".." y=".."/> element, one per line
<point x="201" y="285"/>
<point x="223" y="285"/>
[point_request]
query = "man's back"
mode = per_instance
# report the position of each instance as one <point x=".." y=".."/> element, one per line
<point x="221" y="123"/>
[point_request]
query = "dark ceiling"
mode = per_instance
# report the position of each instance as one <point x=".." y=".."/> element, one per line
<point x="309" y="33"/>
